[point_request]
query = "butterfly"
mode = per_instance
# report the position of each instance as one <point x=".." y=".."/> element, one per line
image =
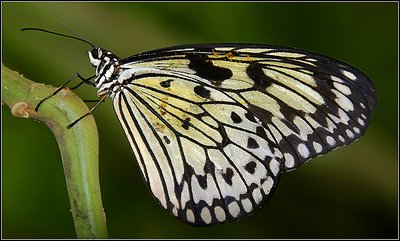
<point x="213" y="126"/>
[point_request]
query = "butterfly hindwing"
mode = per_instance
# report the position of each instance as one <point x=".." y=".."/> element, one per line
<point x="199" y="165"/>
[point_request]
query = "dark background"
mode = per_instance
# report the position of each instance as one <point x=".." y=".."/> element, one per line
<point x="349" y="193"/>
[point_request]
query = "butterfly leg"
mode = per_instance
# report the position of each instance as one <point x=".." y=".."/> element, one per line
<point x="84" y="80"/>
<point x="90" y="111"/>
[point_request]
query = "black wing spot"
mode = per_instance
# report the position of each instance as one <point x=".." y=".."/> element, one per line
<point x="250" y="116"/>
<point x="256" y="73"/>
<point x="166" y="139"/>
<point x="166" y="83"/>
<point x="235" y="118"/>
<point x="261" y="132"/>
<point x="201" y="91"/>
<point x="250" y="167"/>
<point x="185" y="124"/>
<point x="209" y="167"/>
<point x="202" y="180"/>
<point x="228" y="176"/>
<point x="252" y="143"/>
<point x="204" y="68"/>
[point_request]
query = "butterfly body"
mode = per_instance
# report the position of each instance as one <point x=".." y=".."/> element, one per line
<point x="213" y="126"/>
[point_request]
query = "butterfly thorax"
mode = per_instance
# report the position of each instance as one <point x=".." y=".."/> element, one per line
<point x="107" y="70"/>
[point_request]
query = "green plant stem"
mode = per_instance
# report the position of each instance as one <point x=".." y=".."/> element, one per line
<point x="78" y="145"/>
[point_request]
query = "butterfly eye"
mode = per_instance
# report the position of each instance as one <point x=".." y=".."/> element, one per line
<point x="94" y="56"/>
<point x="96" y="53"/>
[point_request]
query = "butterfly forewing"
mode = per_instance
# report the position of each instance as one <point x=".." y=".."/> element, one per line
<point x="213" y="126"/>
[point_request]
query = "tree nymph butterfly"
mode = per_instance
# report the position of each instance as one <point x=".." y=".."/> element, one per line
<point x="213" y="126"/>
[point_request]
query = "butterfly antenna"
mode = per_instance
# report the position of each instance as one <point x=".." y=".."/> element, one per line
<point x="71" y="30"/>
<point x="59" y="34"/>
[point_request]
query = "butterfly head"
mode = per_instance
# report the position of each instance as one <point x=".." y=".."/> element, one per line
<point x="107" y="69"/>
<point x="104" y="61"/>
<point x="101" y="57"/>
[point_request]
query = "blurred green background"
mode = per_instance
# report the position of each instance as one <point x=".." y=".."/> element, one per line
<point x="349" y="193"/>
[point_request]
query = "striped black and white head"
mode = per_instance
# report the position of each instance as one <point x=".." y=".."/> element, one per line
<point x="107" y="68"/>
